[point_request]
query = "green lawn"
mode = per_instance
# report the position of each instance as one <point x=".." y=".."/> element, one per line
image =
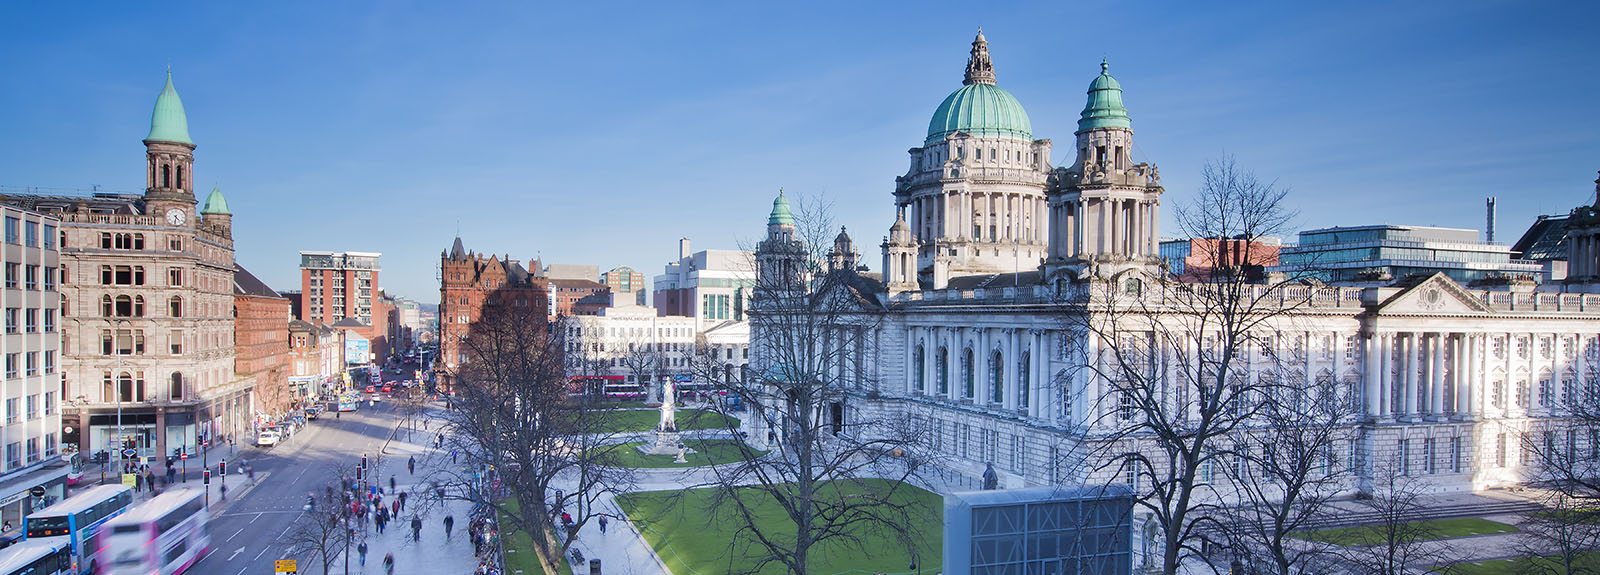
<point x="1589" y="561"/>
<point x="707" y="452"/>
<point x="519" y="549"/>
<point x="623" y="421"/>
<point x="1440" y="528"/>
<point x="691" y="540"/>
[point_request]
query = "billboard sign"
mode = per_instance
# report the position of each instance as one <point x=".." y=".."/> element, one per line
<point x="357" y="350"/>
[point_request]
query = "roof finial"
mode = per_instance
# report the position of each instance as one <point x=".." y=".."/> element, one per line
<point x="1105" y="65"/>
<point x="980" y="69"/>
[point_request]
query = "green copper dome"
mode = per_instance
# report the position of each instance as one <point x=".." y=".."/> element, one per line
<point x="216" y="204"/>
<point x="1104" y="109"/>
<point x="780" y="211"/>
<point x="983" y="110"/>
<point x="979" y="107"/>
<point x="168" y="123"/>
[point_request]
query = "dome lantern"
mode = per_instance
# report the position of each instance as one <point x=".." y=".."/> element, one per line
<point x="979" y="107"/>
<point x="1104" y="108"/>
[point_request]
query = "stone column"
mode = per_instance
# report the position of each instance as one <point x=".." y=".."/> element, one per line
<point x="1468" y="382"/>
<point x="1436" y="375"/>
<point x="1369" y="360"/>
<point x="1385" y="374"/>
<point x="1409" y="364"/>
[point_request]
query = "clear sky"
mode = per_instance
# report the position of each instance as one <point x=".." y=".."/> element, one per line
<point x="601" y="132"/>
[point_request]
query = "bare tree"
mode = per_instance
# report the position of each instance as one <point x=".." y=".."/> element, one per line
<point x="813" y="336"/>
<point x="1561" y="539"/>
<point x="521" y="436"/>
<point x="1291" y="470"/>
<point x="642" y="358"/>
<point x="1397" y="543"/>
<point x="326" y="529"/>
<point x="1176" y="355"/>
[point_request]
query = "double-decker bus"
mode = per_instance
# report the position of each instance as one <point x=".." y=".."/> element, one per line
<point x="612" y="386"/>
<point x="51" y="556"/>
<point x="348" y="402"/>
<point x="165" y="535"/>
<point x="77" y="519"/>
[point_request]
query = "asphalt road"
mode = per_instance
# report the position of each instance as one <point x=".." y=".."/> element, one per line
<point x="247" y="535"/>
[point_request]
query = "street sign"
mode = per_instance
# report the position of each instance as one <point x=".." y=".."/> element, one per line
<point x="285" y="566"/>
<point x="130" y="479"/>
<point x="183" y="456"/>
<point x="130" y="452"/>
<point x="36" y="491"/>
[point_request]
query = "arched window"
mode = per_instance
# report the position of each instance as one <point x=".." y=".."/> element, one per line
<point x="919" y="369"/>
<point x="944" y="371"/>
<point x="107" y="309"/>
<point x="966" y="374"/>
<point x="997" y="378"/>
<point x="107" y="388"/>
<point x="125" y="385"/>
<point x="175" y="306"/>
<point x="175" y="388"/>
<point x="180" y="176"/>
<point x="166" y="176"/>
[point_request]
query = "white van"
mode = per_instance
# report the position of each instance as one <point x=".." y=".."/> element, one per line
<point x="267" y="437"/>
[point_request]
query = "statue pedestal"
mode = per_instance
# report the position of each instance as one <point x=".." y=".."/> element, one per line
<point x="666" y="443"/>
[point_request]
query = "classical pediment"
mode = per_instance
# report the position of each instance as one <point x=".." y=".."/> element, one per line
<point x="1438" y="294"/>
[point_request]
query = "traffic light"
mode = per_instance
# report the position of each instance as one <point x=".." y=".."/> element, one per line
<point x="358" y="474"/>
<point x="363" y="462"/>
<point x="222" y="468"/>
<point x="208" y="477"/>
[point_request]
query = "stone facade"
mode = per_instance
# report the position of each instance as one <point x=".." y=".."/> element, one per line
<point x="147" y="309"/>
<point x="467" y="282"/>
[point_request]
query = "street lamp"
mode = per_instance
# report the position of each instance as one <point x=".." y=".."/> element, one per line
<point x="116" y="342"/>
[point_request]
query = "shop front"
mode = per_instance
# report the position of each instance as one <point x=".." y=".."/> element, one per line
<point x="138" y="433"/>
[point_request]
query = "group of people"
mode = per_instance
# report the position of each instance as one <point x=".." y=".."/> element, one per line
<point x="485" y="539"/>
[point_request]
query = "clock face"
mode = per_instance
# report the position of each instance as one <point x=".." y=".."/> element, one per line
<point x="175" y="217"/>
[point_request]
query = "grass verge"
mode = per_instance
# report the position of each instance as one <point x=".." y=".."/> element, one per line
<point x="1587" y="563"/>
<point x="707" y="452"/>
<point x="1435" y="529"/>
<point x="625" y="421"/>
<point x="691" y="536"/>
<point x="519" y="548"/>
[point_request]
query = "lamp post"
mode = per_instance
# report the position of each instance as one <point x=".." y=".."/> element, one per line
<point x="116" y="342"/>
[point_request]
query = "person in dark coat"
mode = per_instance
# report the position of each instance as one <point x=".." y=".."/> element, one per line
<point x="411" y="465"/>
<point x="416" y="528"/>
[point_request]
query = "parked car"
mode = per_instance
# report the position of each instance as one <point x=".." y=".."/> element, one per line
<point x="313" y="412"/>
<point x="267" y="437"/>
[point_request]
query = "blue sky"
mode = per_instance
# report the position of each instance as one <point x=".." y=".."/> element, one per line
<point x="602" y="132"/>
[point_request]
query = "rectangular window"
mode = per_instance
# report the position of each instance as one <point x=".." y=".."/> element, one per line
<point x="12" y="359"/>
<point x="33" y="449"/>
<point x="13" y="232"/>
<point x="50" y="444"/>
<point x="33" y="406"/>
<point x="1455" y="454"/>
<point x="32" y="363"/>
<point x="1403" y="452"/>
<point x="49" y="279"/>
<point x="1500" y="450"/>
<point x="49" y="403"/>
<point x="11" y="410"/>
<point x="12" y="324"/>
<point x="1427" y="456"/>
<point x="175" y="243"/>
<point x="49" y="237"/>
<point x="31" y="237"/>
<point x="175" y="277"/>
<point x="12" y="271"/>
<point x="175" y="340"/>
<point x="49" y="320"/>
<point x="31" y="317"/>
<point x="13" y="454"/>
<point x="31" y="277"/>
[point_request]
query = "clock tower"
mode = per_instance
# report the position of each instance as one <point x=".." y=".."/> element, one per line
<point x="169" y="161"/>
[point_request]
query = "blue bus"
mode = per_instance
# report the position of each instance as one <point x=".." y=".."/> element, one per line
<point x="41" y="557"/>
<point x="76" y="520"/>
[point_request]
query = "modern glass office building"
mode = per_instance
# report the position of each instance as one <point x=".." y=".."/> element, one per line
<point x="1370" y="252"/>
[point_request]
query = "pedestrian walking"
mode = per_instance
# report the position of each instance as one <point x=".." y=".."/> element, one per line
<point x="138" y="483"/>
<point x="411" y="465"/>
<point x="388" y="563"/>
<point x="402" y="498"/>
<point x="394" y="506"/>
<point x="602" y="525"/>
<point x="449" y="523"/>
<point x="416" y="528"/>
<point x="452" y="456"/>
<point x="150" y="480"/>
<point x="391" y="482"/>
<point x="361" y="549"/>
<point x="224" y="489"/>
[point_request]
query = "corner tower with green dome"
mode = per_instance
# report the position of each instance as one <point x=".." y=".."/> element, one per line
<point x="169" y="159"/>
<point x="1104" y="208"/>
<point x="974" y="194"/>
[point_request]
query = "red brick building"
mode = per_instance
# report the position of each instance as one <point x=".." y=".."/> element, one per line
<point x="261" y="341"/>
<point x="577" y="297"/>
<point x="340" y="286"/>
<point x="467" y="282"/>
<point x="1197" y="260"/>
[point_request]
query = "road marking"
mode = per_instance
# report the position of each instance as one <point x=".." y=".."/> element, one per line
<point x="263" y="552"/>
<point x="253" y="519"/>
<point x="241" y="571"/>
<point x="236" y="534"/>
<point x="236" y="553"/>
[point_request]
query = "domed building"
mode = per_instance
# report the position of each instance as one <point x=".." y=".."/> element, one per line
<point x="975" y="190"/>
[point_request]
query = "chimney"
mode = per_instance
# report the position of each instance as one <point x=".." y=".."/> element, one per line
<point x="1489" y="230"/>
<point x="683" y="248"/>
